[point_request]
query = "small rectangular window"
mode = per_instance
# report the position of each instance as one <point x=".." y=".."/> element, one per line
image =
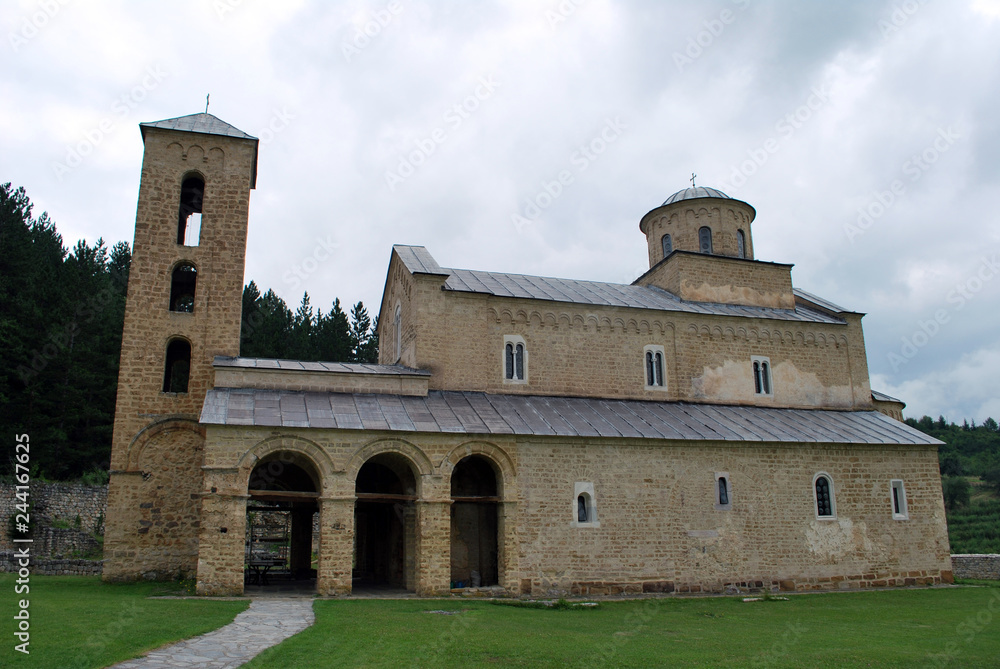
<point x="899" y="511"/>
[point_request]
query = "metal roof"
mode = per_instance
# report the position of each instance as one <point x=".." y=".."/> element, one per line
<point x="418" y="259"/>
<point x="882" y="397"/>
<point x="533" y="415"/>
<point x="599" y="293"/>
<point x="302" y="366"/>
<point x="694" y="193"/>
<point x="204" y="123"/>
<point x="819" y="301"/>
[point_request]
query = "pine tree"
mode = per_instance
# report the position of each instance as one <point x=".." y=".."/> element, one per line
<point x="360" y="332"/>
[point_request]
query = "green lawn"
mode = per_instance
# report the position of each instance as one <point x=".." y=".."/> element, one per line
<point x="79" y="621"/>
<point x="899" y="628"/>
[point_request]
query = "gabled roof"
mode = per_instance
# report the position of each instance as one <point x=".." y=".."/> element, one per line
<point x="596" y="293"/>
<point x="204" y="123"/>
<point x="535" y="415"/>
<point x="418" y="259"/>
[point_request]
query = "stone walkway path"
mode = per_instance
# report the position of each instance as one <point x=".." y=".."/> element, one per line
<point x="266" y="623"/>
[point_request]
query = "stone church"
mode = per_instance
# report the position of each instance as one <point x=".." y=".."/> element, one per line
<point x="706" y="428"/>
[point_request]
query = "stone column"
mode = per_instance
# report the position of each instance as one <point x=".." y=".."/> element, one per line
<point x="221" y="544"/>
<point x="433" y="547"/>
<point x="336" y="545"/>
<point x="120" y="551"/>
<point x="507" y="560"/>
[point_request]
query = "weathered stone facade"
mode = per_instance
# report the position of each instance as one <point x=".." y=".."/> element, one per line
<point x="453" y="463"/>
<point x="157" y="447"/>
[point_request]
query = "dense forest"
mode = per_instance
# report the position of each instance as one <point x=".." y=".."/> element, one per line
<point x="970" y="480"/>
<point x="61" y="316"/>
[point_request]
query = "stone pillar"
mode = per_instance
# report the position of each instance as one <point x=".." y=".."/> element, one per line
<point x="507" y="559"/>
<point x="222" y="544"/>
<point x="120" y="526"/>
<point x="336" y="545"/>
<point x="410" y="546"/>
<point x="433" y="547"/>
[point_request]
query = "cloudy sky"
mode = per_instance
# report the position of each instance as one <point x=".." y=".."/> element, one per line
<point x="865" y="134"/>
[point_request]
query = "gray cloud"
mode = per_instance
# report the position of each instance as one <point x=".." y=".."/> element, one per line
<point x="355" y="107"/>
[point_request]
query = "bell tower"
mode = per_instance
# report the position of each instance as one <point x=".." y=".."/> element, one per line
<point x="183" y="309"/>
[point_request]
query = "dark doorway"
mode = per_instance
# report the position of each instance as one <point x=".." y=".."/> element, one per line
<point x="474" y="543"/>
<point x="280" y="516"/>
<point x="385" y="524"/>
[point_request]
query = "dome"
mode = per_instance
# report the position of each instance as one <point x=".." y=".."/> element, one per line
<point x="694" y="193"/>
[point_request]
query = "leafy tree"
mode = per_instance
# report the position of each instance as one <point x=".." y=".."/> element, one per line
<point x="992" y="479"/>
<point x="951" y="465"/>
<point x="957" y="491"/>
<point x="972" y="451"/>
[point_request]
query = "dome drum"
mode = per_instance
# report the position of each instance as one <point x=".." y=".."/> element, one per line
<point x="700" y="220"/>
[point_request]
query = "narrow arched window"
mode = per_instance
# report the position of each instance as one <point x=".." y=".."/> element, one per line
<point x="653" y="363"/>
<point x="189" y="218"/>
<point x="585" y="506"/>
<point x="182" y="286"/>
<point x="723" y="491"/>
<point x="398" y="322"/>
<point x="705" y="239"/>
<point x="761" y="375"/>
<point x="668" y="245"/>
<point x="178" y="367"/>
<point x="741" y="243"/>
<point x="824" y="496"/>
<point x="514" y="359"/>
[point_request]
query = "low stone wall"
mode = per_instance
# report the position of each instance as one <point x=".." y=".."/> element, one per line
<point x="985" y="566"/>
<point x="55" y="502"/>
<point x="57" y="567"/>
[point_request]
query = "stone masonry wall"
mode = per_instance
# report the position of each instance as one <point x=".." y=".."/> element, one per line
<point x="54" y="502"/>
<point x="596" y="351"/>
<point x="682" y="221"/>
<point x="986" y="566"/>
<point x="52" y="567"/>
<point x="659" y="529"/>
<point x="153" y="502"/>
